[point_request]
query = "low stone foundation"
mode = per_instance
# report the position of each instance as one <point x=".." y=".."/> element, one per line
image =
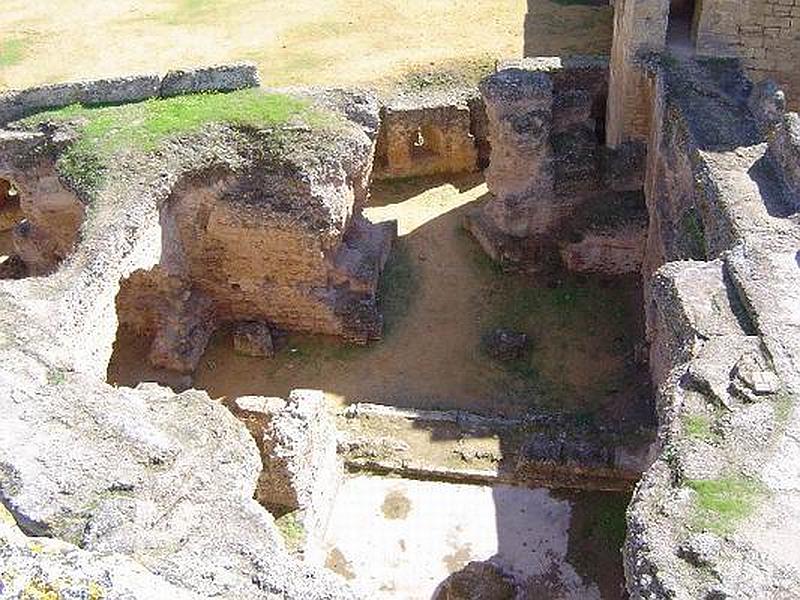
<point x="16" y="104"/>
<point x="433" y="133"/>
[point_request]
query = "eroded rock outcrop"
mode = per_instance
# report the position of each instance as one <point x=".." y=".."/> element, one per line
<point x="706" y="519"/>
<point x="281" y="240"/>
<point x="165" y="481"/>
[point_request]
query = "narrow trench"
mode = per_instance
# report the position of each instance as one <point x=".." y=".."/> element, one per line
<point x="440" y="296"/>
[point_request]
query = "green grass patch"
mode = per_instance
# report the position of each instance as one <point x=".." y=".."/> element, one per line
<point x="397" y="287"/>
<point x="104" y="131"/>
<point x="720" y="504"/>
<point x="56" y="377"/>
<point x="582" y="333"/>
<point x="784" y="405"/>
<point x="697" y="426"/>
<point x="13" y="51"/>
<point x="294" y="534"/>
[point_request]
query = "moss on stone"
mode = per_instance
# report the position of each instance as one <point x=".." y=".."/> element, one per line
<point x="292" y="529"/>
<point x="698" y="427"/>
<point x="721" y="504"/>
<point x="105" y="131"/>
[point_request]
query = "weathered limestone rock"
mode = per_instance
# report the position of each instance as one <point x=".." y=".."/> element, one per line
<point x="477" y="581"/>
<point x="297" y="441"/>
<point x="541" y="449"/>
<point x="16" y="104"/>
<point x="640" y="27"/>
<point x="252" y="338"/>
<point x="47" y="568"/>
<point x="426" y="134"/>
<point x="21" y="103"/>
<point x="784" y="147"/>
<point x="519" y="104"/>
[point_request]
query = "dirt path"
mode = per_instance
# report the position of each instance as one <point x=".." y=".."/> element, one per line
<point x="293" y="41"/>
<point x="431" y="356"/>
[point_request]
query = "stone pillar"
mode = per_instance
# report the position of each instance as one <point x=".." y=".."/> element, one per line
<point x="519" y="106"/>
<point x="640" y="26"/>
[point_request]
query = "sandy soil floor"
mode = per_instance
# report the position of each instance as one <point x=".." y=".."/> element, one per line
<point x="293" y="41"/>
<point x="441" y="296"/>
<point x="396" y="538"/>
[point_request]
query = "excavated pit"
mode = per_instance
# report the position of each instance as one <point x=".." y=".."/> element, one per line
<point x="11" y="217"/>
<point x="503" y="433"/>
<point x="568" y="414"/>
<point x="359" y="331"/>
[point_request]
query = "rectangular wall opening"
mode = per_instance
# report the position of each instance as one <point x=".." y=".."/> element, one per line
<point x="681" y="28"/>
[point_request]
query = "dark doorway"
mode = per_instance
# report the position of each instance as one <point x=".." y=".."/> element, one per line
<point x="680" y="31"/>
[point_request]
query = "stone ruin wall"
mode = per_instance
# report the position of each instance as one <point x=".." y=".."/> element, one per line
<point x="52" y="214"/>
<point x="17" y="104"/>
<point x="763" y="33"/>
<point x="721" y="278"/>
<point x="551" y="177"/>
<point x="639" y="27"/>
<point x="429" y="134"/>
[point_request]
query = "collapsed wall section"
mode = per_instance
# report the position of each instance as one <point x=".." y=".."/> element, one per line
<point x="281" y="241"/>
<point x="559" y="197"/>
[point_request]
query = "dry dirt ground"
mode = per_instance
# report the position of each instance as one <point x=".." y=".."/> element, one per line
<point x="441" y="296"/>
<point x="293" y="41"/>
